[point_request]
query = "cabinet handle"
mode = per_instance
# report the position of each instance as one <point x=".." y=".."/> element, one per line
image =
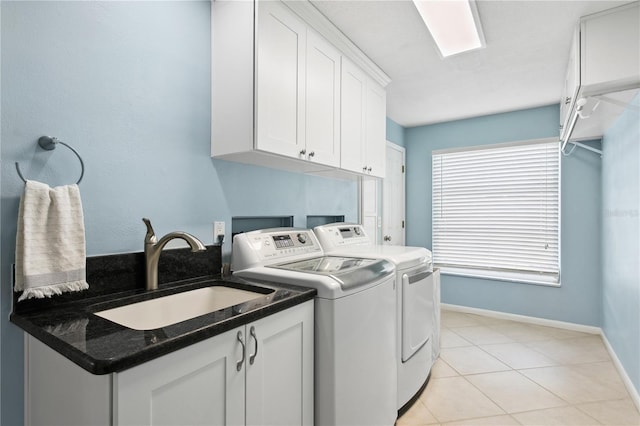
<point x="311" y="154"/>
<point x="387" y="238"/>
<point x="364" y="169"/>
<point x="252" y="331"/>
<point x="244" y="352"/>
<point x="369" y="169"/>
<point x="303" y="152"/>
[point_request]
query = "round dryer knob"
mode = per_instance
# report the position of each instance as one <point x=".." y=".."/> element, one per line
<point x="302" y="238"/>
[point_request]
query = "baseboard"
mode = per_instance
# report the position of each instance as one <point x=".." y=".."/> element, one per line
<point x="522" y="318"/>
<point x="633" y="392"/>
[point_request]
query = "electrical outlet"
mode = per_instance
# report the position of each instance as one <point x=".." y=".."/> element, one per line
<point x="218" y="231"/>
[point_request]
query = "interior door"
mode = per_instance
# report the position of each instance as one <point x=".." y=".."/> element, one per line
<point x="393" y="197"/>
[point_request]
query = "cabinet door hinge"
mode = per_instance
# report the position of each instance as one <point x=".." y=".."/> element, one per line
<point x="403" y="168"/>
<point x="403" y="224"/>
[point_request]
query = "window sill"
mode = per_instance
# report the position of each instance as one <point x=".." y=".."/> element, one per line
<point x="515" y="277"/>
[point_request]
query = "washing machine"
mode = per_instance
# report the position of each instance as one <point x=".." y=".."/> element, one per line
<point x="355" y="382"/>
<point x="417" y="301"/>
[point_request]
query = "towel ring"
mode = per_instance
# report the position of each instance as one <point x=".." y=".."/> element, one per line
<point x="49" y="143"/>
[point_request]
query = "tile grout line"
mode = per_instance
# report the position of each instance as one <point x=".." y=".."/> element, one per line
<point x="560" y="364"/>
<point x="525" y="377"/>
<point x="634" y="394"/>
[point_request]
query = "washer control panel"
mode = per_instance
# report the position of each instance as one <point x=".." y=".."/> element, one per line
<point x="269" y="246"/>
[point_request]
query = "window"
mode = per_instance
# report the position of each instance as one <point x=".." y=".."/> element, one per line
<point x="496" y="211"/>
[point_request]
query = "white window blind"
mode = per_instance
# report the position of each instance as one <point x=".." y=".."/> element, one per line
<point x="496" y="211"/>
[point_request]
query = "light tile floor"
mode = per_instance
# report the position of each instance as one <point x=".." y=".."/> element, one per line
<point x="495" y="372"/>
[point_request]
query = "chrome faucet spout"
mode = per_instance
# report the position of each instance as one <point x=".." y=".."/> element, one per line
<point x="153" y="247"/>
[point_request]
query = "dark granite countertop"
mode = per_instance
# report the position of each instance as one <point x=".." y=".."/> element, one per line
<point x="101" y="346"/>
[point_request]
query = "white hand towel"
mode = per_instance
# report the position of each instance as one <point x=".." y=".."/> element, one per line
<point x="50" y="244"/>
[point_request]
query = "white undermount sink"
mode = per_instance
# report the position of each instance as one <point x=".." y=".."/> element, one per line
<point x="175" y="308"/>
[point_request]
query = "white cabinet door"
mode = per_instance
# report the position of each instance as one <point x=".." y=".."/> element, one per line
<point x="610" y="49"/>
<point x="280" y="80"/>
<point x="571" y="83"/>
<point x="279" y="386"/>
<point x="352" y="117"/>
<point x="375" y="130"/>
<point x="197" y="385"/>
<point x="322" y="101"/>
<point x="363" y="122"/>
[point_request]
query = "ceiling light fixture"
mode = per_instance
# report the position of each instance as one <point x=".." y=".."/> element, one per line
<point x="453" y="24"/>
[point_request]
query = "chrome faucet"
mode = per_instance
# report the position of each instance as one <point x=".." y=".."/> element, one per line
<point x="153" y="248"/>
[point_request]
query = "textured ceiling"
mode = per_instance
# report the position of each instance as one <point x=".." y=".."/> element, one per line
<point x="522" y="66"/>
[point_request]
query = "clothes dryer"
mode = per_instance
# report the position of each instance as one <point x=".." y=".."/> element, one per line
<point x="417" y="301"/>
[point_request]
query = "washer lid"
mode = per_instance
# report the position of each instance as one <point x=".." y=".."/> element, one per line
<point x="350" y="272"/>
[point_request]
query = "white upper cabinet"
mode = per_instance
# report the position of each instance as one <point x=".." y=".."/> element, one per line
<point x="571" y="82"/>
<point x="363" y="129"/>
<point x="322" y="101"/>
<point x="352" y="129"/>
<point x="280" y="76"/>
<point x="603" y="71"/>
<point x="610" y="50"/>
<point x="278" y="98"/>
<point x="375" y="129"/>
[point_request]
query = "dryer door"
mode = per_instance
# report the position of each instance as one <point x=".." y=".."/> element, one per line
<point x="417" y="311"/>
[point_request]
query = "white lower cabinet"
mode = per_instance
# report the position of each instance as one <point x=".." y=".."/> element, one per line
<point x="197" y="385"/>
<point x="213" y="382"/>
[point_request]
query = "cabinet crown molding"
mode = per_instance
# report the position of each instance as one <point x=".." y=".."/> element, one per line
<point x="328" y="30"/>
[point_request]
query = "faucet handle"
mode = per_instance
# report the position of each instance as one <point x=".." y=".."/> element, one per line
<point x="150" y="237"/>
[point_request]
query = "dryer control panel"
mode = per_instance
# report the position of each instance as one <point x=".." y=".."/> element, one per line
<point x="335" y="235"/>
<point x="269" y="246"/>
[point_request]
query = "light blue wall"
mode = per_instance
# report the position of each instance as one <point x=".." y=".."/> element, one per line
<point x="128" y="85"/>
<point x="395" y="132"/>
<point x="621" y="240"/>
<point x="578" y="299"/>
